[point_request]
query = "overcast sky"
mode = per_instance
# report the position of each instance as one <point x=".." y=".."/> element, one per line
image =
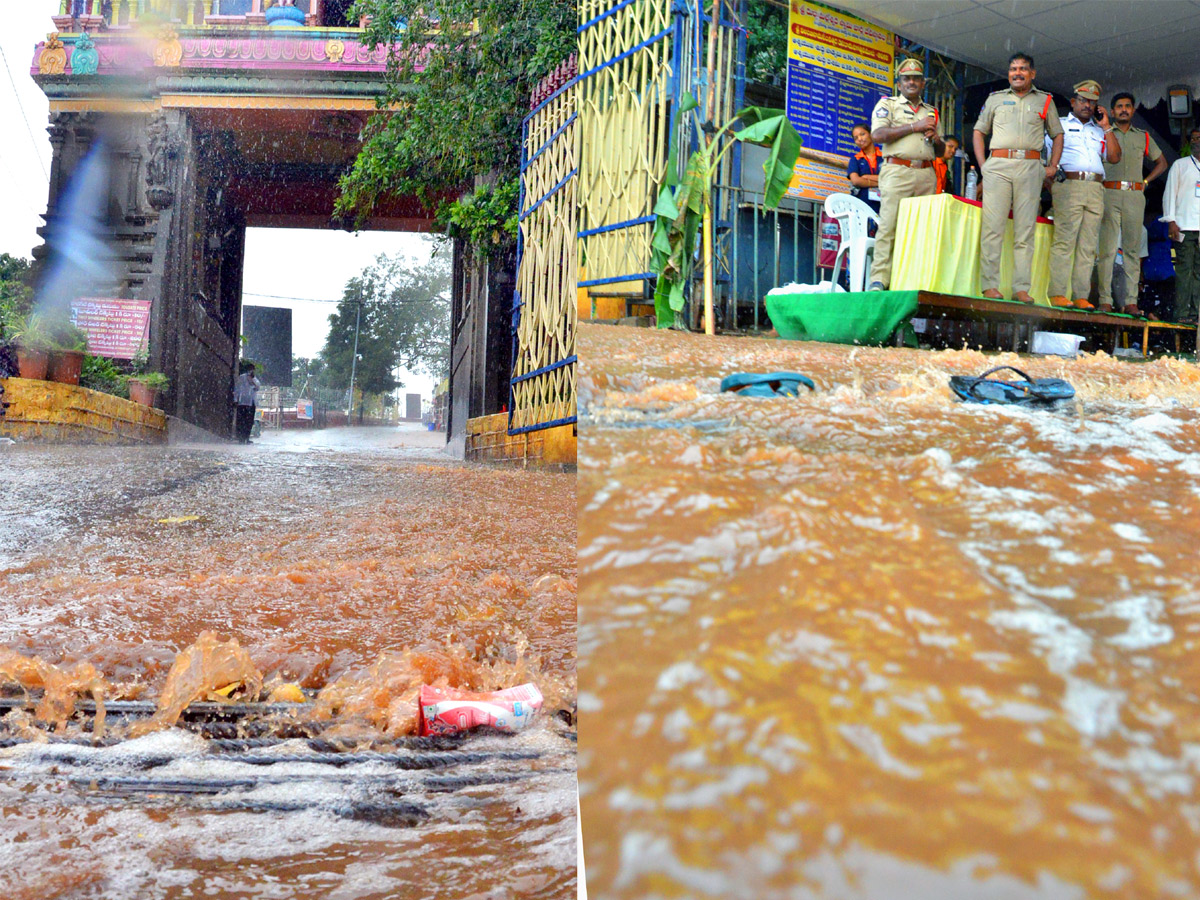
<point x="311" y="265"/>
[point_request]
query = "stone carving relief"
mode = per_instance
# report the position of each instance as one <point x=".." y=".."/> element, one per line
<point x="168" y="51"/>
<point x="164" y="149"/>
<point x="53" y="58"/>
<point x="85" y="58"/>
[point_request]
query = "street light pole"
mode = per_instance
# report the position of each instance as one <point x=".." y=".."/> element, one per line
<point x="354" y="356"/>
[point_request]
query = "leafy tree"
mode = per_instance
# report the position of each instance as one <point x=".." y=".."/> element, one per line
<point x="766" y="40"/>
<point x="459" y="79"/>
<point x="403" y="322"/>
<point x="16" y="287"/>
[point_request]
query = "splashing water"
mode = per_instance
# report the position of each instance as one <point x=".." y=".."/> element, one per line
<point x="874" y="642"/>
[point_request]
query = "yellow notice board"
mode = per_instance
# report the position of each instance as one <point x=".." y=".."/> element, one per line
<point x="816" y="181"/>
<point x="839" y="67"/>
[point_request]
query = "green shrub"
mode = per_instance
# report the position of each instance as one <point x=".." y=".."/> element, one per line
<point x="101" y="374"/>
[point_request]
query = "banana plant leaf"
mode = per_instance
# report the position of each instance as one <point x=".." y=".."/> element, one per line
<point x="679" y="210"/>
<point x="770" y="128"/>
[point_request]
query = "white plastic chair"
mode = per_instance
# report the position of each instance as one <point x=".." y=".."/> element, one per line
<point x="853" y="218"/>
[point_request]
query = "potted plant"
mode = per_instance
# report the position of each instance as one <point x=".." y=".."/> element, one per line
<point x="33" y="342"/>
<point x="144" y="387"/>
<point x="66" y="356"/>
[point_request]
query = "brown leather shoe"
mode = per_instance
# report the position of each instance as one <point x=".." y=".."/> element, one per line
<point x="1024" y="297"/>
<point x="1060" y="301"/>
<point x="1082" y="303"/>
<point x="993" y="294"/>
<point x="1105" y="307"/>
<point x="1132" y="311"/>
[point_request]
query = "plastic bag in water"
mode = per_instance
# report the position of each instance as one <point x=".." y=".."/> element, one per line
<point x="450" y="711"/>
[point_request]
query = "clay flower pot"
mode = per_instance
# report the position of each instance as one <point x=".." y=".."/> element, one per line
<point x="66" y="366"/>
<point x="32" y="363"/>
<point x="140" y="392"/>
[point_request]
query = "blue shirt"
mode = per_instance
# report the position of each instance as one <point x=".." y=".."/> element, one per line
<point x="860" y="165"/>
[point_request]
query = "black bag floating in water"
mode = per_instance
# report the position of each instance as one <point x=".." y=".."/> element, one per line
<point x="981" y="389"/>
<point x="775" y="384"/>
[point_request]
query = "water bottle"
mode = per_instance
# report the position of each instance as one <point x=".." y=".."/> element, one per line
<point x="972" y="182"/>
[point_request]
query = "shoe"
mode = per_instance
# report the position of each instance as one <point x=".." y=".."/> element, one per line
<point x="1060" y="301"/>
<point x="1024" y="297"/>
<point x="876" y="286"/>
<point x="993" y="294"/>
<point x="1105" y="308"/>
<point x="1131" y="311"/>
<point x="1082" y="303"/>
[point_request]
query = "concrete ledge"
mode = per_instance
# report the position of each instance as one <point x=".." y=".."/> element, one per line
<point x="48" y="412"/>
<point x="181" y="432"/>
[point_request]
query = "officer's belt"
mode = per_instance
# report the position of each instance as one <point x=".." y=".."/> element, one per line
<point x="1125" y="185"/>
<point x="911" y="163"/>
<point x="1082" y="176"/>
<point x="1017" y="154"/>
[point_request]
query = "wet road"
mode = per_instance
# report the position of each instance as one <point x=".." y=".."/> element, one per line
<point x="872" y="642"/>
<point x="352" y="563"/>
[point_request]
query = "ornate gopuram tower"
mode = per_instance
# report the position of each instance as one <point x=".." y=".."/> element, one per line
<point x="212" y="116"/>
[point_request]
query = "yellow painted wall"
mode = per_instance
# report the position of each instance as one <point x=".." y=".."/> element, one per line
<point x="48" y="412"/>
<point x="488" y="440"/>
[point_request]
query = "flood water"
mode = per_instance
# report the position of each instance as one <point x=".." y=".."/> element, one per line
<point x="349" y="568"/>
<point x="873" y="642"/>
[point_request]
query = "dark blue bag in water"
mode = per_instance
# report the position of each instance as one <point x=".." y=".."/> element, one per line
<point x="981" y="389"/>
<point x="775" y="384"/>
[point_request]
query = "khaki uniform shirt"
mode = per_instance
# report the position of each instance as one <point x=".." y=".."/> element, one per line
<point x="893" y="111"/>
<point x="1133" y="151"/>
<point x="1017" y="123"/>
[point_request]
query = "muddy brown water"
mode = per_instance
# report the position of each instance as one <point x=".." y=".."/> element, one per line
<point x="873" y="642"/>
<point x="352" y="571"/>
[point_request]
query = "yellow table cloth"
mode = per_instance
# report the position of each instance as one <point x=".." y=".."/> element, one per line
<point x="937" y="249"/>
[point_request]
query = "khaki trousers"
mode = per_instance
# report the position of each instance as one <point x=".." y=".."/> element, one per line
<point x="896" y="183"/>
<point x="1078" y="209"/>
<point x="1187" y="275"/>
<point x="1009" y="184"/>
<point x="1121" y="227"/>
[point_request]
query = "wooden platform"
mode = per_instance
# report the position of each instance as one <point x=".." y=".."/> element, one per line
<point x="1030" y="318"/>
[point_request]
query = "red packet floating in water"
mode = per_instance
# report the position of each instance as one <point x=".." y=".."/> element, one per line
<point x="450" y="711"/>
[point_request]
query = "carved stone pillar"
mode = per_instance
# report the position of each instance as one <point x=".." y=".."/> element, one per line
<point x="58" y="137"/>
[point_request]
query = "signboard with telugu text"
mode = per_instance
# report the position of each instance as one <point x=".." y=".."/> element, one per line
<point x="839" y="67"/>
<point x="118" y="329"/>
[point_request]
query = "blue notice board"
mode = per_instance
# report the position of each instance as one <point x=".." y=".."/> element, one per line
<point x="824" y="106"/>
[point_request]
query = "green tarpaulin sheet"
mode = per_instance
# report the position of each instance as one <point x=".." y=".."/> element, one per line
<point x="860" y="318"/>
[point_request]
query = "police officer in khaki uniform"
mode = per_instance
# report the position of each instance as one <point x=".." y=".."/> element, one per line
<point x="1017" y="119"/>
<point x="907" y="130"/>
<point x="1125" y="204"/>
<point x="1078" y="194"/>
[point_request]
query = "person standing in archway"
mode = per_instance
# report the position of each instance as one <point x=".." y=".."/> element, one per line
<point x="245" y="396"/>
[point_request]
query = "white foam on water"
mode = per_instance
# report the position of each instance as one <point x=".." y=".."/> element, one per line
<point x="732" y="782"/>
<point x="1092" y="710"/>
<point x="926" y="733"/>
<point x="868" y="742"/>
<point x="858" y="873"/>
<point x="1145" y="630"/>
<point x="644" y="853"/>
<point x="1131" y="533"/>
<point x="1155" y="423"/>
<point x="1064" y="643"/>
<point x="678" y="675"/>
<point x="806" y="646"/>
